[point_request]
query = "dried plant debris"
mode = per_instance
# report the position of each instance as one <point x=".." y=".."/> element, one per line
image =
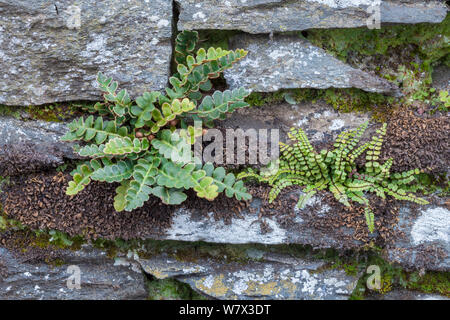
<point x="15" y="160"/>
<point x="29" y="247"/>
<point x="39" y="202"/>
<point x="417" y="142"/>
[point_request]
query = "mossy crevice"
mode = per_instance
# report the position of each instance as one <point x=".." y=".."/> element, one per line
<point x="54" y="112"/>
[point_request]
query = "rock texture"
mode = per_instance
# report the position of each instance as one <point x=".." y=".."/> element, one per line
<point x="399" y="294"/>
<point x="320" y="122"/>
<point x="274" y="276"/>
<point x="426" y="239"/>
<point x="52" y="50"/>
<point x="265" y="16"/>
<point x="31" y="145"/>
<point x="291" y="62"/>
<point x="100" y="278"/>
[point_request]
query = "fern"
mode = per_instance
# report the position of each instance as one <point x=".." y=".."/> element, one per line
<point x="134" y="143"/>
<point x="335" y="170"/>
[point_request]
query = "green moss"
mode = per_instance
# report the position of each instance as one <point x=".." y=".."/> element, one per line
<point x="171" y="289"/>
<point x="9" y="111"/>
<point x="418" y="48"/>
<point x="342" y="100"/>
<point x="55" y="112"/>
<point x="215" y="38"/>
<point x="437" y="184"/>
<point x="431" y="41"/>
<point x="431" y="282"/>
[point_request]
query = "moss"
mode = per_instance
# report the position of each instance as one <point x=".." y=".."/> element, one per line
<point x="215" y="38"/>
<point x="431" y="282"/>
<point x="437" y="184"/>
<point x="342" y="100"/>
<point x="417" y="48"/>
<point x="55" y="112"/>
<point x="170" y="289"/>
<point x="9" y="111"/>
<point x="429" y="40"/>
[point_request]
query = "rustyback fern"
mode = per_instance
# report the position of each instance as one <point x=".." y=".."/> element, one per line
<point x="136" y="144"/>
<point x="336" y="171"/>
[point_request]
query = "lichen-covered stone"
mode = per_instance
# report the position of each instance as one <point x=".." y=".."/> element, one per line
<point x="401" y="294"/>
<point x="288" y="62"/>
<point x="52" y="51"/>
<point x="100" y="278"/>
<point x="425" y="243"/>
<point x="274" y="276"/>
<point x="320" y="122"/>
<point x="31" y="145"/>
<point x="265" y="16"/>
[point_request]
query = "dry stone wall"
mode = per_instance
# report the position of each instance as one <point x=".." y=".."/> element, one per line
<point x="51" y="52"/>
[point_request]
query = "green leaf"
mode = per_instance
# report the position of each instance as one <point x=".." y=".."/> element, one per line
<point x="121" y="191"/>
<point x="124" y="145"/>
<point x="114" y="172"/>
<point x="169" y="196"/>
<point x="370" y="219"/>
<point x="82" y="176"/>
<point x="144" y="173"/>
<point x="304" y="198"/>
<point x="87" y="130"/>
<point x="220" y="103"/>
<point x="185" y="44"/>
<point x="172" y="146"/>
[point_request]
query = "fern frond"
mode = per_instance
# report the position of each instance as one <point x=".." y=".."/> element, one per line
<point x="370" y="219"/>
<point x="220" y="103"/>
<point x="171" y="146"/>
<point x="82" y="176"/>
<point x="121" y="191"/>
<point x="144" y="173"/>
<point x="124" y="145"/>
<point x="99" y="131"/>
<point x="185" y="43"/>
<point x="199" y="70"/>
<point x="121" y="100"/>
<point x="303" y="199"/>
<point x="143" y="109"/>
<point x="169" y="196"/>
<point x="91" y="151"/>
<point x="374" y="151"/>
<point x="116" y="172"/>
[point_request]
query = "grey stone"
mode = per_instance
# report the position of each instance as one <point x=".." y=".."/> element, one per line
<point x="320" y="122"/>
<point x="101" y="278"/>
<point x="413" y="11"/>
<point x="441" y="77"/>
<point x="425" y="241"/>
<point x="400" y="294"/>
<point x="52" y="50"/>
<point x="31" y="145"/>
<point x="272" y="277"/>
<point x="188" y="225"/>
<point x="291" y="62"/>
<point x="265" y="16"/>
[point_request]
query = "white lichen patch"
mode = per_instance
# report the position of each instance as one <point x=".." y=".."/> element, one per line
<point x="337" y="124"/>
<point x="162" y="23"/>
<point x="432" y="225"/>
<point x="346" y="3"/>
<point x="239" y="231"/>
